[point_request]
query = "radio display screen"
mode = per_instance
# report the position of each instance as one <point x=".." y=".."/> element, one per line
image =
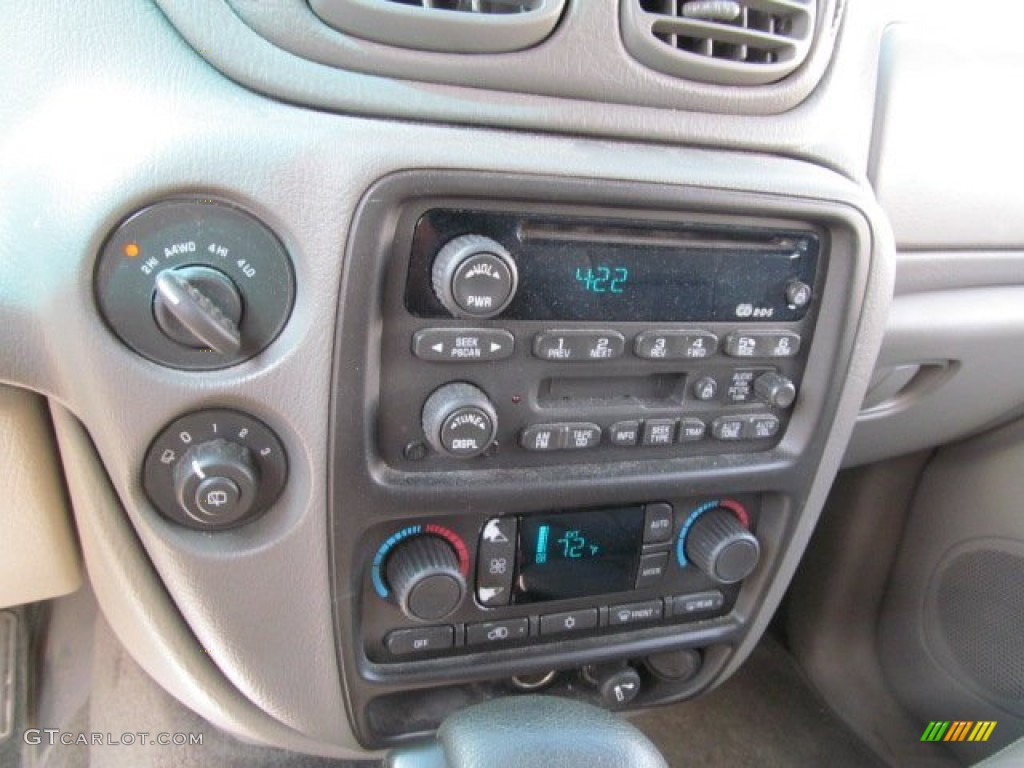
<point x="578" y="270"/>
<point x="578" y="553"/>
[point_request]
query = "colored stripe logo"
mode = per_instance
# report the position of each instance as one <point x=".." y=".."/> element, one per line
<point x="958" y="730"/>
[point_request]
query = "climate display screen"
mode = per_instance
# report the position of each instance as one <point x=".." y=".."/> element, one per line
<point x="578" y="554"/>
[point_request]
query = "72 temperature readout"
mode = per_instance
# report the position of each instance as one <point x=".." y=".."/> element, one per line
<point x="602" y="279"/>
<point x="574" y="545"/>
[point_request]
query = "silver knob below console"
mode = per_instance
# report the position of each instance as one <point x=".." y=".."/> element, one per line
<point x="459" y="420"/>
<point x="720" y="546"/>
<point x="424" y="574"/>
<point x="775" y="390"/>
<point x="474" y="277"/>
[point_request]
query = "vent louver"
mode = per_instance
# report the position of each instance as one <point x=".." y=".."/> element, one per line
<point x="453" y="26"/>
<point x="733" y="42"/>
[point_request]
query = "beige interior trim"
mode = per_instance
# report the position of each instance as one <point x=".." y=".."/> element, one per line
<point x="38" y="551"/>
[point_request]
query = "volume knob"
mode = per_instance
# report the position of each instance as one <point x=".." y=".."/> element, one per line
<point x="721" y="547"/>
<point x="424" y="574"/>
<point x="474" y="277"/>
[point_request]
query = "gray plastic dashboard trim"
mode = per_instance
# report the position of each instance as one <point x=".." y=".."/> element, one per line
<point x="271" y="48"/>
<point x="66" y="181"/>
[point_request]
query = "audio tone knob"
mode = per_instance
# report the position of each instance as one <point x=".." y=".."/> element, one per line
<point x="423" y="572"/>
<point x="775" y="390"/>
<point x="216" y="483"/>
<point x="459" y="420"/>
<point x="474" y="277"/>
<point x="720" y="546"/>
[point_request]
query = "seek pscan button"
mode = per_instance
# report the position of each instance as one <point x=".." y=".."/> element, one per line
<point x="462" y="345"/>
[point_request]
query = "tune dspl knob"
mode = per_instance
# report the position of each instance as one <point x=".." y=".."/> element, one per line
<point x="459" y="420"/>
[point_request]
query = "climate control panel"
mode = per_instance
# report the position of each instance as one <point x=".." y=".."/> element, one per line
<point x="458" y="586"/>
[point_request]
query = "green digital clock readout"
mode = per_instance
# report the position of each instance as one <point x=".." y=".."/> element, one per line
<point x="603" y="279"/>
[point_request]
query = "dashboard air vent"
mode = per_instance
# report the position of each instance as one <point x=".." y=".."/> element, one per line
<point x="453" y="26"/>
<point x="732" y="42"/>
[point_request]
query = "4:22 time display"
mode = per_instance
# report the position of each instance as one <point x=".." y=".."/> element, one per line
<point x="603" y="279"/>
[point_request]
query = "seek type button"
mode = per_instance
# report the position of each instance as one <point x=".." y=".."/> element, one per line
<point x="462" y="345"/>
<point x="635" y="613"/>
<point x="578" y="346"/>
<point x="496" y="560"/>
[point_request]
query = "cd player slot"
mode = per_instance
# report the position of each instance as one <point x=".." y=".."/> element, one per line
<point x="653" y="391"/>
<point x="646" y="236"/>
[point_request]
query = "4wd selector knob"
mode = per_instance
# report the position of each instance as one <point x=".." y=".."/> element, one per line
<point x="720" y="546"/>
<point x="459" y="420"/>
<point x="424" y="574"/>
<point x="474" y="277"/>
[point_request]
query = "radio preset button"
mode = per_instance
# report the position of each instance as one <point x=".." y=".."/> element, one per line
<point x="544" y="437"/>
<point x="635" y="613"/>
<point x="729" y="428"/>
<point x="571" y="621"/>
<point x="659" y="432"/>
<point x="582" y="436"/>
<point x="503" y="631"/>
<point x="770" y="344"/>
<point x="496" y="561"/>
<point x="420" y="640"/>
<point x="578" y="346"/>
<point x="659" y="523"/>
<point x="462" y="345"/>
<point x="675" y="345"/>
<point x="624" y="433"/>
<point x="691" y="430"/>
<point x="699" y="602"/>
<point x="652" y="569"/>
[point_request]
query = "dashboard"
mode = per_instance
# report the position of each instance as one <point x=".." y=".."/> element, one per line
<point x="397" y="372"/>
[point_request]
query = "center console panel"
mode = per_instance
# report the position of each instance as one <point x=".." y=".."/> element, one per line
<point x="594" y="415"/>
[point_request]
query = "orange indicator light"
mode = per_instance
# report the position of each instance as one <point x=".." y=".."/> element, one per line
<point x="131" y="250"/>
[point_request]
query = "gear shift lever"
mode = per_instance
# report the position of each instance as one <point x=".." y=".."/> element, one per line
<point x="533" y="732"/>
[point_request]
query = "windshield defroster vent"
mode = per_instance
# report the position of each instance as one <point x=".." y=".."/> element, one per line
<point x="732" y="42"/>
<point x="454" y="26"/>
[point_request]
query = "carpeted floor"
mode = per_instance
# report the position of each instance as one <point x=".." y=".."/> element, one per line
<point x="766" y="715"/>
